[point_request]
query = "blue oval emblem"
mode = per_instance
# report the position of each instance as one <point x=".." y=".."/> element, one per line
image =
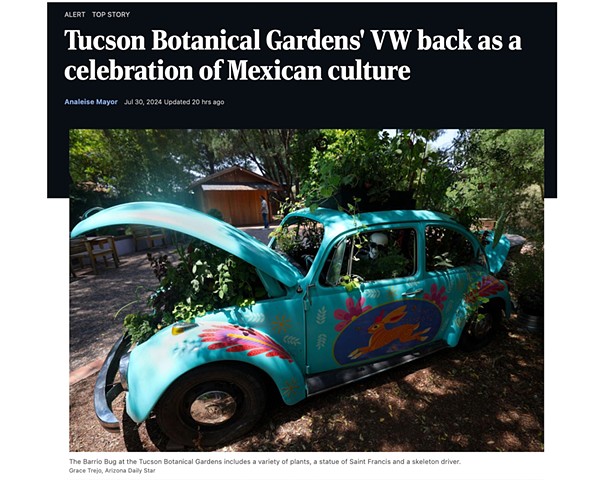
<point x="389" y="328"/>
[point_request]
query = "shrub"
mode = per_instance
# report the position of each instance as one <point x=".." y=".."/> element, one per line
<point x="215" y="212"/>
<point x="526" y="275"/>
<point x="205" y="278"/>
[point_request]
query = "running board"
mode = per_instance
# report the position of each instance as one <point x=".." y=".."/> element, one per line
<point x="322" y="382"/>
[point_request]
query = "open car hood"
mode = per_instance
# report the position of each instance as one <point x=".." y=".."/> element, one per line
<point x="198" y="225"/>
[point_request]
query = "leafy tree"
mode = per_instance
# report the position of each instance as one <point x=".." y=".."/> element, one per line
<point x="500" y="174"/>
<point x="115" y="166"/>
<point x="137" y="164"/>
<point x="281" y="155"/>
<point x="495" y="173"/>
<point x="371" y="165"/>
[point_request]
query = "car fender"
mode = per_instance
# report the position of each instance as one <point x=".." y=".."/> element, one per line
<point x="487" y="291"/>
<point x="155" y="364"/>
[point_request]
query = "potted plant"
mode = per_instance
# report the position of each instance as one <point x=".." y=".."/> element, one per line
<point x="527" y="284"/>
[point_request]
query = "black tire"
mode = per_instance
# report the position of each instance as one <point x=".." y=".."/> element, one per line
<point x="211" y="405"/>
<point x="479" y="332"/>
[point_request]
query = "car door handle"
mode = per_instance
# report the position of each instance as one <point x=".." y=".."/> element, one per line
<point x="413" y="293"/>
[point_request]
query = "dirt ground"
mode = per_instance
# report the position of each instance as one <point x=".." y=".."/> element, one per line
<point x="490" y="400"/>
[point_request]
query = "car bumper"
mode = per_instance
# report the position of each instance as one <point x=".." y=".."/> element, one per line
<point x="106" y="390"/>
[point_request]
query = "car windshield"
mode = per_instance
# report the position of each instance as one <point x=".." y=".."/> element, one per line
<point x="299" y="240"/>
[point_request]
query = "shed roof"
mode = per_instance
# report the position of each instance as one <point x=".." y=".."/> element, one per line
<point x="238" y="186"/>
<point x="255" y="181"/>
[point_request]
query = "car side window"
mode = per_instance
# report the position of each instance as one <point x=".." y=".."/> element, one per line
<point x="447" y="248"/>
<point x="373" y="255"/>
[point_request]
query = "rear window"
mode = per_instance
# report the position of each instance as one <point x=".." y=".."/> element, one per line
<point x="447" y="248"/>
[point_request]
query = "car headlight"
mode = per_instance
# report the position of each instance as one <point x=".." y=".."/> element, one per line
<point x="180" y="327"/>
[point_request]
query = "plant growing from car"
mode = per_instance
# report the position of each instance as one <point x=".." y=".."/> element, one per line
<point x="204" y="278"/>
<point x="299" y="241"/>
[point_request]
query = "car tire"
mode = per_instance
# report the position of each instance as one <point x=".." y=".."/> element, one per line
<point x="480" y="332"/>
<point x="211" y="405"/>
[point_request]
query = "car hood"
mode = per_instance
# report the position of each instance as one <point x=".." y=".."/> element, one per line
<point x="199" y="225"/>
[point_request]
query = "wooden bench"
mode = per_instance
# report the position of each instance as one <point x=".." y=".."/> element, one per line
<point x="151" y="236"/>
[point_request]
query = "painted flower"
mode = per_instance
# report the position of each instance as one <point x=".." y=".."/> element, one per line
<point x="436" y="296"/>
<point x="291" y="388"/>
<point x="352" y="311"/>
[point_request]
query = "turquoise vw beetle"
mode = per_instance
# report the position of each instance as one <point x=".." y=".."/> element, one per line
<point x="347" y="296"/>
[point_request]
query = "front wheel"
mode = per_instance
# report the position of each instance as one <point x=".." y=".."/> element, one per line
<point x="480" y="329"/>
<point x="211" y="405"/>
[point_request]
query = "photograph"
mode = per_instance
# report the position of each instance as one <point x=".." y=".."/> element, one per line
<point x="306" y="290"/>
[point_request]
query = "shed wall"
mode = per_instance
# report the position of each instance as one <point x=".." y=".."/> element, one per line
<point x="238" y="207"/>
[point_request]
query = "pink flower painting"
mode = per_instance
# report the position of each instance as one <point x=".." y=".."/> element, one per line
<point x="437" y="296"/>
<point x="352" y="311"/>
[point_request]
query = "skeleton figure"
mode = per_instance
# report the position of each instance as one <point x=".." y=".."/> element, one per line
<point x="377" y="242"/>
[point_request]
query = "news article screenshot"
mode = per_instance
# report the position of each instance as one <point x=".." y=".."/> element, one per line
<point x="305" y="238"/>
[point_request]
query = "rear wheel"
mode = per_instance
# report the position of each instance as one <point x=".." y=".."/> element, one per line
<point x="481" y="328"/>
<point x="211" y="405"/>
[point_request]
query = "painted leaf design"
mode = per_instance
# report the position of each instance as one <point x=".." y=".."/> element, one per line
<point x="291" y="340"/>
<point x="321" y="315"/>
<point x="234" y="338"/>
<point x="256" y="317"/>
<point x="489" y="286"/>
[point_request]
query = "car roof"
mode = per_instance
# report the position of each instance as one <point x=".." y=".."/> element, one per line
<point x="336" y="222"/>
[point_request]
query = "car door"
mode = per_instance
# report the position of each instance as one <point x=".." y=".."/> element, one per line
<point x="453" y="265"/>
<point x="368" y="299"/>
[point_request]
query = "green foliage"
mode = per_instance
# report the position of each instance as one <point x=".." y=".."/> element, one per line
<point x="499" y="174"/>
<point x="300" y="238"/>
<point x="486" y="173"/>
<point x="370" y="164"/>
<point x="141" y="326"/>
<point x="349" y="282"/>
<point x="142" y="164"/>
<point x="278" y="154"/>
<point x="299" y="241"/>
<point x="388" y="263"/>
<point x="205" y="278"/>
<point x="215" y="212"/>
<point x="526" y="275"/>
<point x="474" y="302"/>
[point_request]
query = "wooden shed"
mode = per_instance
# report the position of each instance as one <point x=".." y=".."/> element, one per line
<point x="235" y="192"/>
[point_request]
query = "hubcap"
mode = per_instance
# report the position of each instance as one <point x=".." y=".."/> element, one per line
<point x="213" y="407"/>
